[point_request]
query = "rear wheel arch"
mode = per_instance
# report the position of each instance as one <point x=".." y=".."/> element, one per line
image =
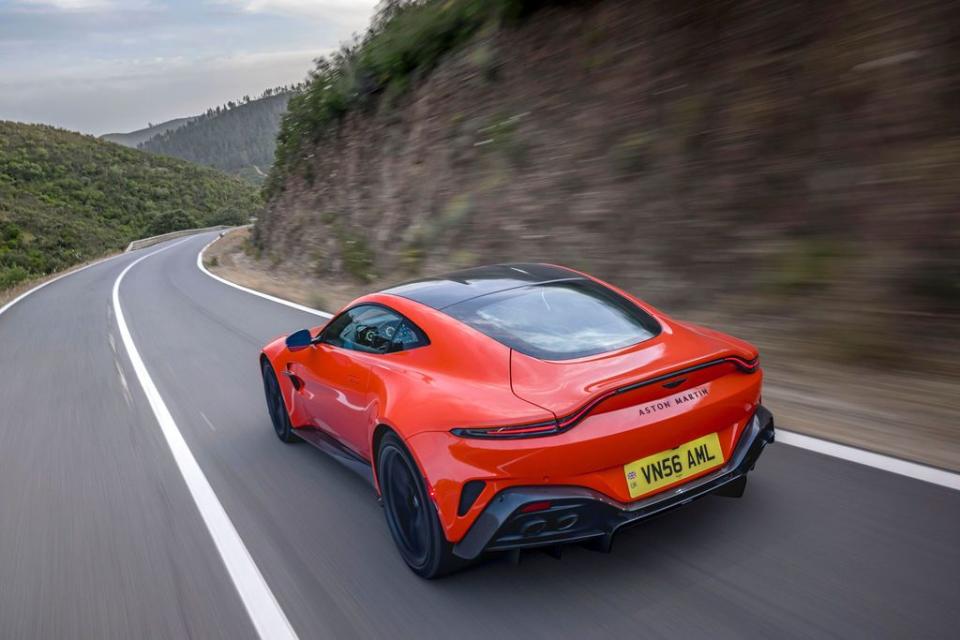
<point x="381" y="430"/>
<point x="379" y="433"/>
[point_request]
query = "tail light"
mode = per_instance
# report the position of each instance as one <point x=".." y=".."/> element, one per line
<point x="512" y="431"/>
<point x="747" y="366"/>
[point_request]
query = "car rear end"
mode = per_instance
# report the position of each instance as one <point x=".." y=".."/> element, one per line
<point x="633" y="431"/>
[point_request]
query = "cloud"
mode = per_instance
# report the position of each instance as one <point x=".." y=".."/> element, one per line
<point x="114" y="65"/>
<point x="112" y="96"/>
<point x="335" y="10"/>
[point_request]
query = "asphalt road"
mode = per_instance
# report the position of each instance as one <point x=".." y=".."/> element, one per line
<point x="100" y="538"/>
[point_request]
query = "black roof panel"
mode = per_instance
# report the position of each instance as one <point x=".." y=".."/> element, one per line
<point x="443" y="291"/>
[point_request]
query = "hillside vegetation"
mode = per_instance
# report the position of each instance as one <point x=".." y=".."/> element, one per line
<point x="135" y="138"/>
<point x="406" y="39"/>
<point x="66" y="198"/>
<point x="238" y="138"/>
<point x="791" y="168"/>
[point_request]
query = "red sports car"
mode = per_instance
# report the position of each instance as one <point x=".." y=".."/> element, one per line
<point x="519" y="405"/>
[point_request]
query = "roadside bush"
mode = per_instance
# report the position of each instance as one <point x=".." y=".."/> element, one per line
<point x="12" y="275"/>
<point x="175" y="220"/>
<point x="356" y="254"/>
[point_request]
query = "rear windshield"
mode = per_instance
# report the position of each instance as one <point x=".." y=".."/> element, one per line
<point x="558" y="320"/>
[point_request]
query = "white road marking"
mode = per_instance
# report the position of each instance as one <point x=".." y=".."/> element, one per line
<point x="123" y="381"/>
<point x="207" y="420"/>
<point x="898" y="466"/>
<point x="262" y="606"/>
<point x="113" y="343"/>
<point x="299" y="307"/>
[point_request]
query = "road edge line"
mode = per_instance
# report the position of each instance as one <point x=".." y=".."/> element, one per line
<point x="261" y="604"/>
<point x="54" y="279"/>
<point x="267" y="296"/>
<point x="898" y="466"/>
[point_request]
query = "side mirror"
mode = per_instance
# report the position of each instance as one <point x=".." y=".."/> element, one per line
<point x="299" y="340"/>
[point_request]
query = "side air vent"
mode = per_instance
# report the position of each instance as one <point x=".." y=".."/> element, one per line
<point x="471" y="491"/>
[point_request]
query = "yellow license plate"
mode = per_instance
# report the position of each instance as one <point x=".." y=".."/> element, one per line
<point x="660" y="469"/>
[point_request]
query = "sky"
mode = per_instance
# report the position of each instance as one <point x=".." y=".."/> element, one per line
<point x="102" y="66"/>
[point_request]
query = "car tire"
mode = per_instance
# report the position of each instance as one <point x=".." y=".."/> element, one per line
<point x="411" y="514"/>
<point x="276" y="407"/>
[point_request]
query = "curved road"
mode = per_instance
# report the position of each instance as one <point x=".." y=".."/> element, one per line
<point x="100" y="536"/>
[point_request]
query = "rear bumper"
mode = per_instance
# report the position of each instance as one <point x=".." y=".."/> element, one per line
<point x="578" y="514"/>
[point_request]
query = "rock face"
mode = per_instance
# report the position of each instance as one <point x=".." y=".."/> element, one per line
<point x="802" y="159"/>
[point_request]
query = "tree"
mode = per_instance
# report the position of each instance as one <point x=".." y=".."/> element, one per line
<point x="171" y="220"/>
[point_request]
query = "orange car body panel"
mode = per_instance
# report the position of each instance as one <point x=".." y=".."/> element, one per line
<point x="464" y="378"/>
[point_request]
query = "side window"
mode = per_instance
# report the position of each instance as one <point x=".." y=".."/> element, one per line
<point x="372" y="329"/>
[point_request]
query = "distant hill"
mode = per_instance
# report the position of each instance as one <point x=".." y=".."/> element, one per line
<point x="66" y="198"/>
<point x="238" y="138"/>
<point x="138" y="137"/>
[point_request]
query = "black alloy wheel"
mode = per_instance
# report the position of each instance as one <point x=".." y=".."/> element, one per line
<point x="411" y="515"/>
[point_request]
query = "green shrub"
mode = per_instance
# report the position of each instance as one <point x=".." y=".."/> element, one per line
<point x="10" y="276"/>
<point x="9" y="233"/>
<point x="355" y="253"/>
<point x="168" y="221"/>
<point x="418" y="35"/>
